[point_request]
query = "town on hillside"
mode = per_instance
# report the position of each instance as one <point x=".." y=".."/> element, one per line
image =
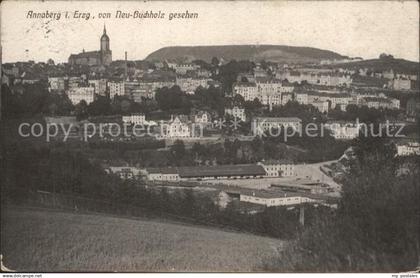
<point x="205" y="123"/>
<point x="288" y="150"/>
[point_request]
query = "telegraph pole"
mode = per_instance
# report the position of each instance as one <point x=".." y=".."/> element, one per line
<point x="302" y="215"/>
<point x="125" y="67"/>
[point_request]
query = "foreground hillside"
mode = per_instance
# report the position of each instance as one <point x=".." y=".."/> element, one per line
<point x="41" y="240"/>
<point x="274" y="53"/>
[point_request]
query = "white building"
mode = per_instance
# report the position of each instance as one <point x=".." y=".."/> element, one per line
<point x="177" y="127"/>
<point x="268" y="91"/>
<point x="302" y="98"/>
<point x="278" y="168"/>
<point x="146" y="88"/>
<point x="322" y="106"/>
<point x="162" y="174"/>
<point x="248" y="91"/>
<point x="259" y="72"/>
<point x="124" y="172"/>
<point x="400" y="84"/>
<point x="183" y="68"/>
<point x="388" y="74"/>
<point x="116" y="89"/>
<point x="139" y="119"/>
<point x="190" y="84"/>
<point x="75" y="81"/>
<point x="202" y="117"/>
<point x="236" y="112"/>
<point x="325" y="78"/>
<point x="411" y="148"/>
<point x="270" y="99"/>
<point x="341" y="100"/>
<point x="78" y="94"/>
<point x="276" y="199"/>
<point x="203" y="73"/>
<point x="57" y="84"/>
<point x="285" y="98"/>
<point x="343" y="130"/>
<point x="99" y="85"/>
<point x="395" y="103"/>
<point x="378" y="103"/>
<point x="260" y="124"/>
<point x="270" y="85"/>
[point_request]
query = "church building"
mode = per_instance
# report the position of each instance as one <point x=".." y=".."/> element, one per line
<point x="103" y="57"/>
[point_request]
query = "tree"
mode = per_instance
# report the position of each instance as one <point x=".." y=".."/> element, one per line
<point x="252" y="107"/>
<point x="264" y="64"/>
<point x="238" y="100"/>
<point x="197" y="151"/>
<point x="177" y="150"/>
<point x="365" y="234"/>
<point x="29" y="100"/>
<point x="100" y="106"/>
<point x="257" y="146"/>
<point x="228" y="73"/>
<point x="210" y="97"/>
<point x="173" y="99"/>
<point x="203" y="64"/>
<point x="81" y="110"/>
<point x="385" y="56"/>
<point x="215" y="62"/>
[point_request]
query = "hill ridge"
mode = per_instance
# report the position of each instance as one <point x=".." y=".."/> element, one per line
<point x="253" y="52"/>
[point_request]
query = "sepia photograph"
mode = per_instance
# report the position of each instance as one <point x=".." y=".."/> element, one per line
<point x="210" y="137"/>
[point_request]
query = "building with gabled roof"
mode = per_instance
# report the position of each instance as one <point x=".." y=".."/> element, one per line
<point x="103" y="57"/>
<point x="198" y="173"/>
<point x="278" y="168"/>
<point x="270" y="123"/>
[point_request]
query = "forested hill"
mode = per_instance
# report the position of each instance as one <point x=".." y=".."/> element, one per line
<point x="274" y="53"/>
<point x="398" y="65"/>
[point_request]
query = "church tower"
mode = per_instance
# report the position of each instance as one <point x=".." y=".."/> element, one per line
<point x="106" y="54"/>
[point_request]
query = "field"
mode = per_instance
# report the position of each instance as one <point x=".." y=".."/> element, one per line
<point x="50" y="241"/>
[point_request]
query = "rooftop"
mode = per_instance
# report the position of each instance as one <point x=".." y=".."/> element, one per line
<point x="275" y="193"/>
<point x="377" y="99"/>
<point x="163" y="170"/>
<point x="278" y="119"/>
<point x="273" y="161"/>
<point x="222" y="170"/>
<point x="333" y="95"/>
<point x="86" y="54"/>
<point x="245" y="84"/>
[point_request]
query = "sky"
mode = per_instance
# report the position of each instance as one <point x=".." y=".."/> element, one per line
<point x="352" y="28"/>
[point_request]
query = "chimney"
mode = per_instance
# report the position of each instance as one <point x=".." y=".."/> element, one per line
<point x="125" y="66"/>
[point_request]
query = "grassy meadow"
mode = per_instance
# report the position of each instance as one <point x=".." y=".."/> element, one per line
<point x="44" y="240"/>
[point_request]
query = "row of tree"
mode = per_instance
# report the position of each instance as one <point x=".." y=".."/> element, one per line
<point x="376" y="227"/>
<point x="69" y="172"/>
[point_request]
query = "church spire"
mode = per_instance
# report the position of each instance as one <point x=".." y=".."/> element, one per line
<point x="104" y="29"/>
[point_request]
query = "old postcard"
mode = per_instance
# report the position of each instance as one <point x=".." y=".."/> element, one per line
<point x="210" y="136"/>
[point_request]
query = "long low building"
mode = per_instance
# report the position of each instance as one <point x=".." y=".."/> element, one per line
<point x="222" y="172"/>
<point x="261" y="124"/>
<point x="124" y="172"/>
<point x="198" y="173"/>
<point x="162" y="174"/>
<point x="272" y="198"/>
<point x="278" y="168"/>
